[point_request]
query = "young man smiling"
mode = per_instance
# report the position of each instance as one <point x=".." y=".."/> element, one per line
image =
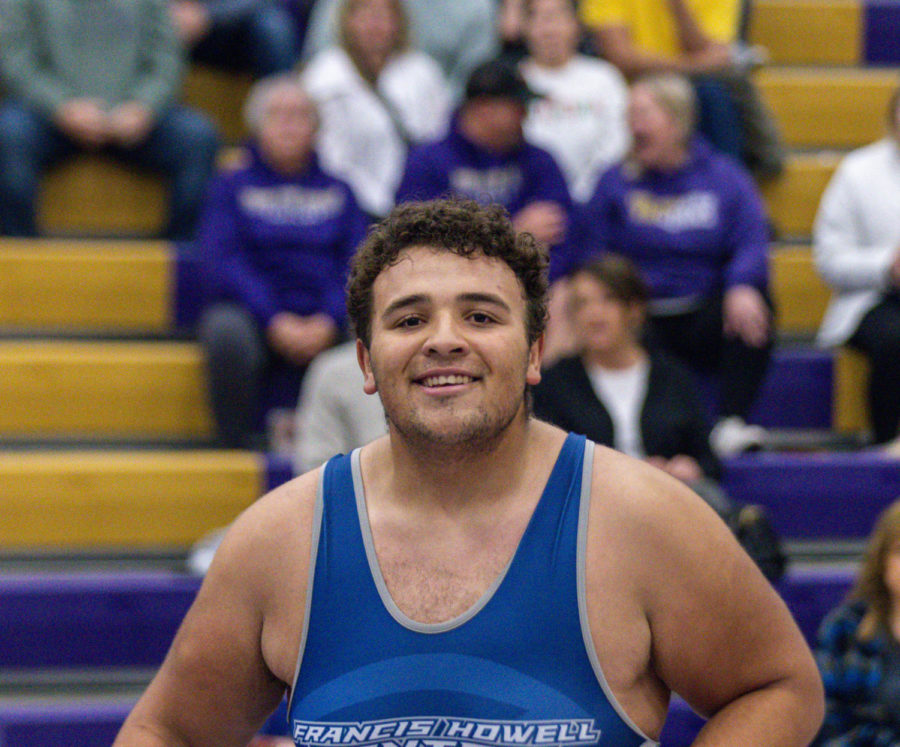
<point x="476" y="576"/>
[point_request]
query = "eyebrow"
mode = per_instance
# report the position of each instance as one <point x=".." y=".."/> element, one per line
<point x="418" y="298"/>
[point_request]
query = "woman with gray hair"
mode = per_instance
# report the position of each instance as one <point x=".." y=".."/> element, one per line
<point x="376" y="96"/>
<point x="693" y="222"/>
<point x="274" y="243"/>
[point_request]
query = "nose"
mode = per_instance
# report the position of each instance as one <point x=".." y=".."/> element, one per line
<point x="445" y="337"/>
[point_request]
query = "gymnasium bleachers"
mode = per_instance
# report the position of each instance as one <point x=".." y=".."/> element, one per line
<point x="105" y="432"/>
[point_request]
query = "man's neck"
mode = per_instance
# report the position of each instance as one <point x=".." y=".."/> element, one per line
<point x="457" y="478"/>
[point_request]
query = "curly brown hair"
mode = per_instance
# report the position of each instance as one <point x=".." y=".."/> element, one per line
<point x="463" y="227"/>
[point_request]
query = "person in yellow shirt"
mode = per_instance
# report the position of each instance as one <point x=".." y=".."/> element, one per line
<point x="698" y="38"/>
<point x="685" y="36"/>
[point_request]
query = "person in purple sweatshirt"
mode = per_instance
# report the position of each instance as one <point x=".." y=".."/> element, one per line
<point x="274" y="243"/>
<point x="485" y="157"/>
<point x="693" y="222"/>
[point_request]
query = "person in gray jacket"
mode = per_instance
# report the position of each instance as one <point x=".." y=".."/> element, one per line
<point x="96" y="75"/>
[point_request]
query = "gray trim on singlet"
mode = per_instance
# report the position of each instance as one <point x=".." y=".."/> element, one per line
<point x="314" y="551"/>
<point x="378" y="578"/>
<point x="581" y="561"/>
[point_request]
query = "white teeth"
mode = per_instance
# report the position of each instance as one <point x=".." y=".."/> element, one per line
<point x="447" y="380"/>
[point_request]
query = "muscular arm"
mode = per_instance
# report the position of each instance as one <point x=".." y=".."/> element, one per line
<point x="723" y="639"/>
<point x="714" y="630"/>
<point x="230" y="662"/>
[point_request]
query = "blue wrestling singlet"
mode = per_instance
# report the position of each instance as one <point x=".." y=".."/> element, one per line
<point x="518" y="668"/>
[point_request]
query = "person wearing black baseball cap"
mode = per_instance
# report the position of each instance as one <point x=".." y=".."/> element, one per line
<point x="485" y="157"/>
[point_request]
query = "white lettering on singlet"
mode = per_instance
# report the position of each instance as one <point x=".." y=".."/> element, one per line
<point x="446" y="732"/>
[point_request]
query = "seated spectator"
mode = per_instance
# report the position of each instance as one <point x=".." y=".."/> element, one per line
<point x="258" y="36"/>
<point x="100" y="77"/>
<point x="274" y="242"/>
<point x="376" y="97"/>
<point x="335" y="415"/>
<point x="858" y="645"/>
<point x="639" y="402"/>
<point x="698" y="39"/>
<point x="457" y="34"/>
<point x="485" y="157"/>
<point x="614" y="390"/>
<point x="856" y="242"/>
<point x="580" y="117"/>
<point x="693" y="222"/>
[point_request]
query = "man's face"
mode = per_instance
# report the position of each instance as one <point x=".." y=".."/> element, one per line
<point x="551" y="30"/>
<point x="449" y="353"/>
<point x="500" y="122"/>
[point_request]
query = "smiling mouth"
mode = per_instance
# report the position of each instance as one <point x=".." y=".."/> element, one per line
<point x="450" y="380"/>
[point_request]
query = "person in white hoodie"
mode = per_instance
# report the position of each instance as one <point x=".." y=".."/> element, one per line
<point x="856" y="242"/>
<point x="580" y="114"/>
<point x="376" y="96"/>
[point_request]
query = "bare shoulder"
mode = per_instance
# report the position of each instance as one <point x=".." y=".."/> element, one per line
<point x="706" y="606"/>
<point x="273" y="535"/>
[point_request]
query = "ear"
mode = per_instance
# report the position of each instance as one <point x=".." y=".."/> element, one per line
<point x="365" y="365"/>
<point x="535" y="357"/>
<point x="637" y="315"/>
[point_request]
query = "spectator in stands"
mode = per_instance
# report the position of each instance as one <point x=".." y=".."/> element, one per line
<point x="856" y="242"/>
<point x="485" y="157"/>
<point x="614" y="390"/>
<point x="580" y="117"/>
<point x="100" y="77"/>
<point x="274" y="242"/>
<point x="640" y="402"/>
<point x="376" y="97"/>
<point x="259" y="36"/>
<point x="858" y="648"/>
<point x="698" y="39"/>
<point x="693" y="222"/>
<point x="458" y="34"/>
<point x="335" y="414"/>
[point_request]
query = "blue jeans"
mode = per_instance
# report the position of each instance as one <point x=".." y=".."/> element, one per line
<point x="182" y="146"/>
<point x="718" y="118"/>
<point x="263" y="42"/>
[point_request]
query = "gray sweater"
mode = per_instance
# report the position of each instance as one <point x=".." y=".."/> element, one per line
<point x="114" y="50"/>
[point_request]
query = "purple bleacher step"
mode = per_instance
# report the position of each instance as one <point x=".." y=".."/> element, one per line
<point x="91" y="620"/>
<point x="816" y="496"/>
<point x="881" y="31"/>
<point x="67" y="724"/>
<point x="796" y="392"/>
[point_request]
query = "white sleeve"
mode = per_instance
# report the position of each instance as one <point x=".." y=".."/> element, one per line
<point x="842" y="258"/>
<point x="322" y="431"/>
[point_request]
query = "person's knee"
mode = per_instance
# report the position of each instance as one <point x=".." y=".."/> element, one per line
<point x="228" y="331"/>
<point x="20" y="130"/>
<point x="194" y="136"/>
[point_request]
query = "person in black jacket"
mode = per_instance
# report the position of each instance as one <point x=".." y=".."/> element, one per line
<point x="621" y="395"/>
<point x="615" y="391"/>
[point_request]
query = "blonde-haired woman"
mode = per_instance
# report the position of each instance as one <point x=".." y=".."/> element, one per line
<point x="376" y="96"/>
<point x="858" y="648"/>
